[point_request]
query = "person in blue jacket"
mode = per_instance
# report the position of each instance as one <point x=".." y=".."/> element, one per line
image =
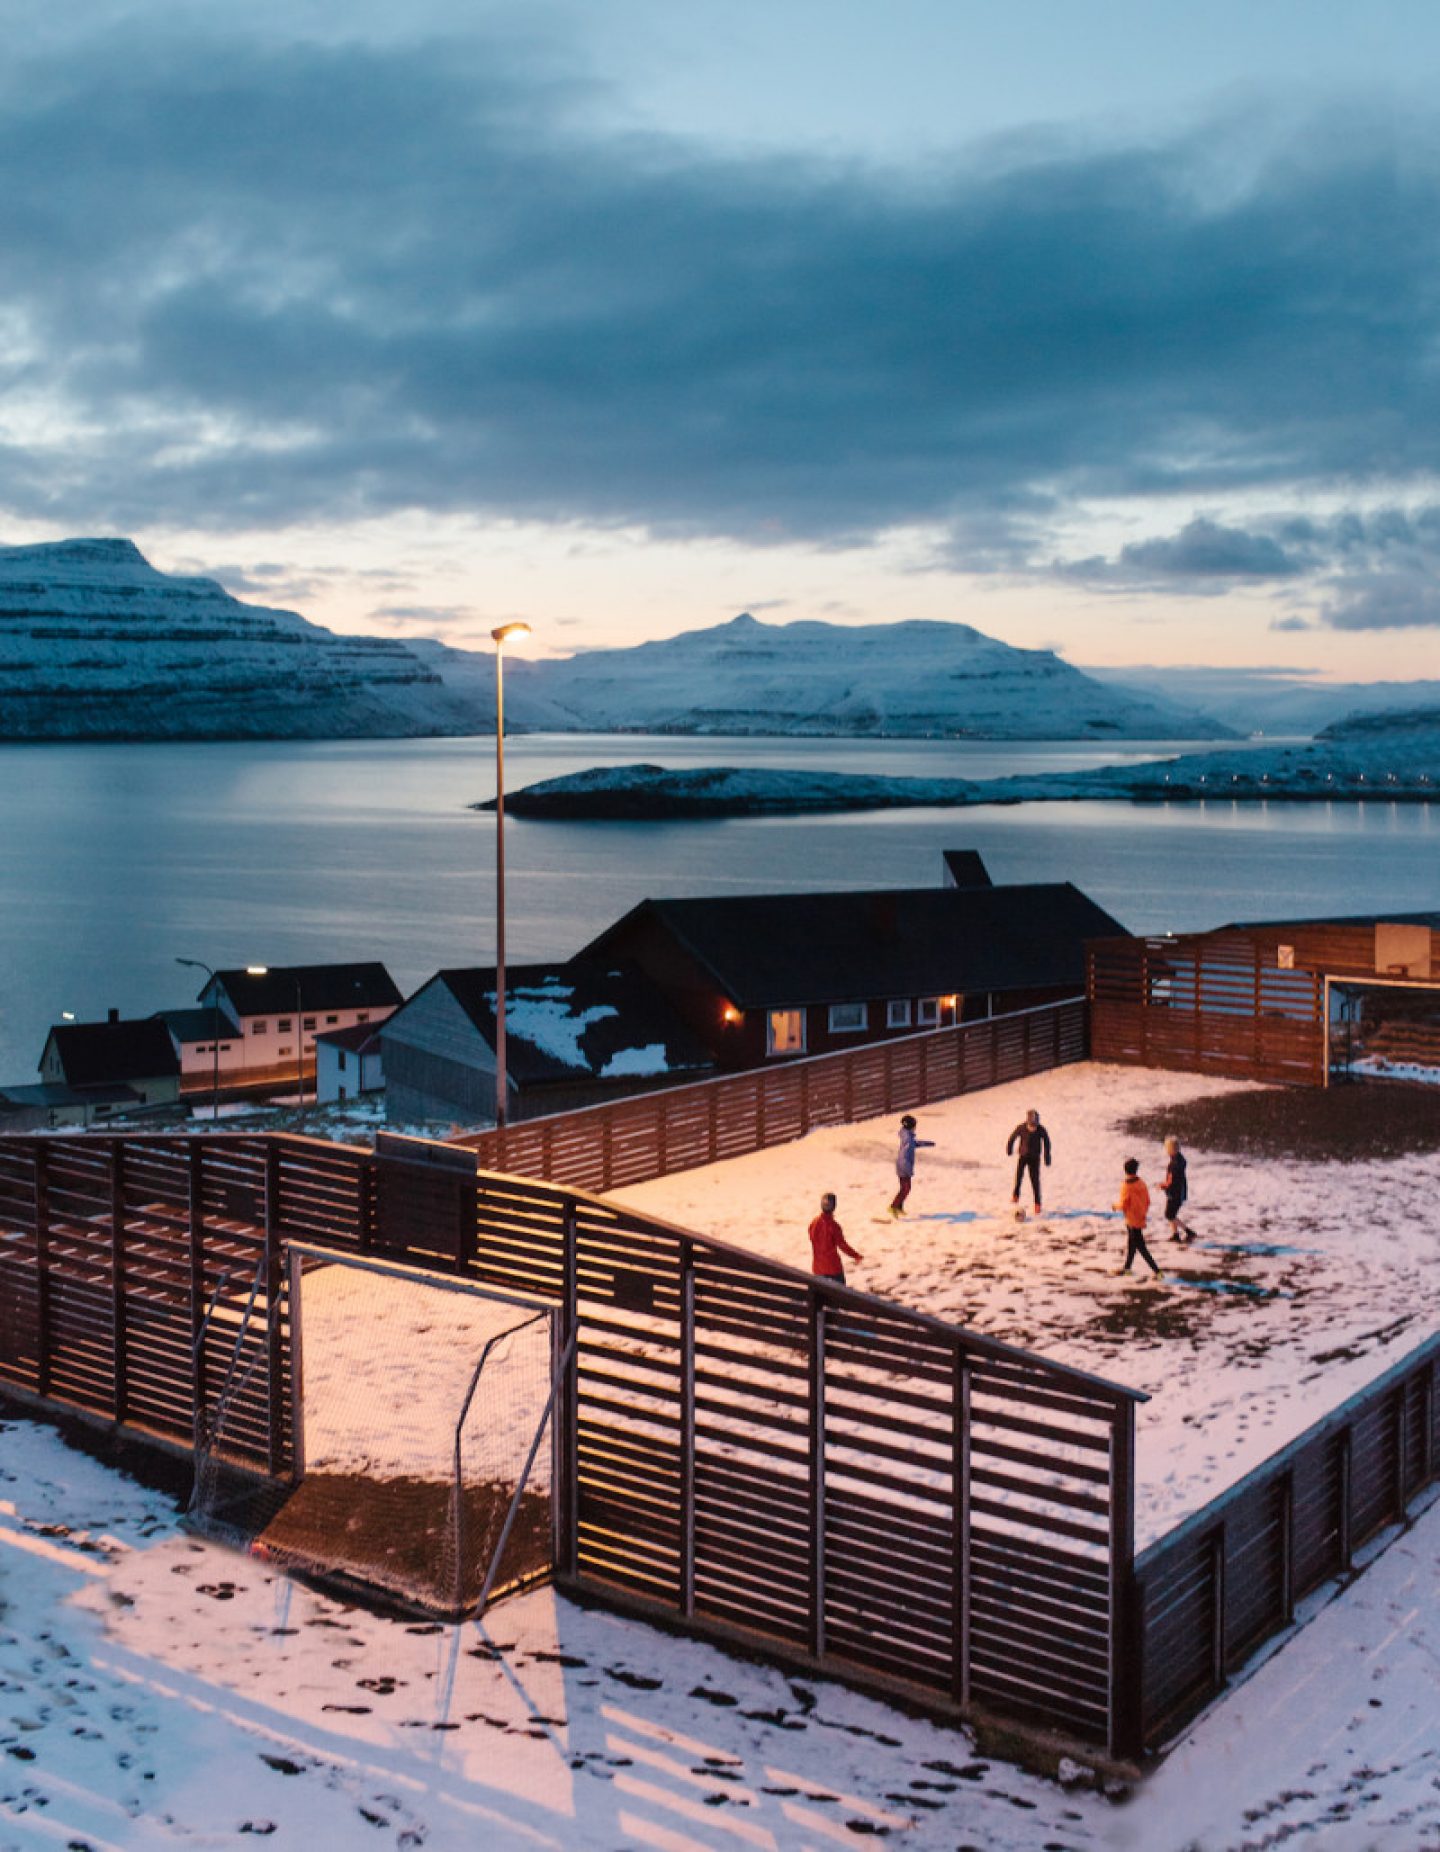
<point x="905" y="1163"/>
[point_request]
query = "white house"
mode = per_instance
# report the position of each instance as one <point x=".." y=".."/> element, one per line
<point x="268" y="1021"/>
<point x="348" y="1063"/>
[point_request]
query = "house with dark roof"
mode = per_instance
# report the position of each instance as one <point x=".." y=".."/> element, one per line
<point x="759" y="977"/>
<point x="269" y="1019"/>
<point x="95" y="1058"/>
<point x="348" y="1062"/>
<point x="575" y="1034"/>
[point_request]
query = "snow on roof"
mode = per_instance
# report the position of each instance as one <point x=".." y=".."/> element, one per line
<point x="565" y="1021"/>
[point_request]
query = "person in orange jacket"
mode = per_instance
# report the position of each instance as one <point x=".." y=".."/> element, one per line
<point x="1134" y="1205"/>
<point x="828" y="1243"/>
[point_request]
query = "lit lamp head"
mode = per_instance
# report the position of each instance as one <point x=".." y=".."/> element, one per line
<point x="503" y="632"/>
<point x="257" y="970"/>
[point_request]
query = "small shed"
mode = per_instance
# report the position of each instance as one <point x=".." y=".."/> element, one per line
<point x="348" y="1063"/>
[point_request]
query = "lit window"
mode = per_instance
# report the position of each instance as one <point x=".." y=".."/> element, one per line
<point x="927" y="1012"/>
<point x="787" y="1032"/>
<point x="287" y="1051"/>
<point x="846" y="1018"/>
<point x="897" y="1013"/>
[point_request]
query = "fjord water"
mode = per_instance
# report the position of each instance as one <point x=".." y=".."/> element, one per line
<point x="115" y="860"/>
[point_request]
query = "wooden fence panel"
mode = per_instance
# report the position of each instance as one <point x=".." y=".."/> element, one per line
<point x="1228" y="1578"/>
<point x="777" y="1462"/>
<point x="607" y="1148"/>
<point x="1215" y="1003"/>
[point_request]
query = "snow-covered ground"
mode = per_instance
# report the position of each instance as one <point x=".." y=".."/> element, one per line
<point x="1303" y="1282"/>
<point x="158" y="1692"/>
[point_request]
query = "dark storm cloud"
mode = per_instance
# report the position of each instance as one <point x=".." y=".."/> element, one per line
<point x="1376" y="570"/>
<point x="320" y="283"/>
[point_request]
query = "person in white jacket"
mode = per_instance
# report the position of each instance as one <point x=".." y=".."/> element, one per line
<point x="905" y="1163"/>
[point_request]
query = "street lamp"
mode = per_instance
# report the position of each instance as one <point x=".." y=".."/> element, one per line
<point x="196" y="965"/>
<point x="264" y="971"/>
<point x="500" y="636"/>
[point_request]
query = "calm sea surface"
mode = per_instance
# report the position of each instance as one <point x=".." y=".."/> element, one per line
<point x="115" y="860"/>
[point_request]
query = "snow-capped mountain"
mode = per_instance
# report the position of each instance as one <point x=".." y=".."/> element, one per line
<point x="95" y="643"/>
<point x="910" y="680"/>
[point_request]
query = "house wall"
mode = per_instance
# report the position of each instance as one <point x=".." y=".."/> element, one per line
<point x="694" y="995"/>
<point x="344" y="1074"/>
<point x="260" y="1050"/>
<point x="437" y="1063"/>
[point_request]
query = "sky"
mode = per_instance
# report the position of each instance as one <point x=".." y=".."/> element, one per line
<point x="1113" y="329"/>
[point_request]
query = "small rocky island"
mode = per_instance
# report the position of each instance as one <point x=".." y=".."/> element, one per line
<point x="1388" y="758"/>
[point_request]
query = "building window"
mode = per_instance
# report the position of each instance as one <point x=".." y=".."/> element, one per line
<point x="927" y="1012"/>
<point x="225" y="1048"/>
<point x="787" y="1032"/>
<point x="897" y="1013"/>
<point x="847" y="1018"/>
<point x="284" y="1026"/>
<point x="362" y="1015"/>
<point x="287" y="1051"/>
<point x="309" y="1022"/>
<point x="331" y="1021"/>
<point x="259" y="1028"/>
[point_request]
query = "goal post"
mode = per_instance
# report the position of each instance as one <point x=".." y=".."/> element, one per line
<point x="423" y="1438"/>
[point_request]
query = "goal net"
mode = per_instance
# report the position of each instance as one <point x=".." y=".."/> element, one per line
<point x="423" y="1440"/>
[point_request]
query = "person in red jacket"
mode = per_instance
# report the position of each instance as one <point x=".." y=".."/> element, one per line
<point x="827" y="1239"/>
<point x="1134" y="1205"/>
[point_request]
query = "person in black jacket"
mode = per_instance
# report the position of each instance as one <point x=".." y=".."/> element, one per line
<point x="1176" y="1190"/>
<point x="1032" y="1139"/>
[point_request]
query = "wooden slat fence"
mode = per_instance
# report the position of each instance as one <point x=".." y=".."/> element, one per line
<point x="1212" y="1004"/>
<point x="763" y="1458"/>
<point x="1228" y="1578"/>
<point x="604" y="1148"/>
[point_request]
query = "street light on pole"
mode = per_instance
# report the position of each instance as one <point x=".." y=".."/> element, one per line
<point x="500" y="636"/>
<point x="264" y="971"/>
<point x="196" y="965"/>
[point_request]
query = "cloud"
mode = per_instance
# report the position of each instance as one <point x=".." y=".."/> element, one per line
<point x="271" y="285"/>
<point x="1293" y="622"/>
<point x="1376" y="602"/>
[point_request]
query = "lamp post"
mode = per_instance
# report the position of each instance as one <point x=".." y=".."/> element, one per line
<point x="500" y="635"/>
<point x="264" y="971"/>
<point x="197" y="965"/>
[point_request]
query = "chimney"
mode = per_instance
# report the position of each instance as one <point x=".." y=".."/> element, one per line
<point x="112" y="1015"/>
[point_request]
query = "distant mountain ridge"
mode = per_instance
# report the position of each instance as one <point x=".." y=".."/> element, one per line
<point x="96" y="643"/>
<point x="912" y="680"/>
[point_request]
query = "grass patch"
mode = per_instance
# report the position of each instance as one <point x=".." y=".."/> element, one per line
<point x="1315" y="1125"/>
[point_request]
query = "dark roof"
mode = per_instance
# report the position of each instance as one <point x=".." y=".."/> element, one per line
<point x="633" y="1032"/>
<point x="322" y="987"/>
<point x="100" y="1054"/>
<point x="360" y="1036"/>
<point x="196" y="1025"/>
<point x="966" y="868"/>
<point x="767" y="951"/>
